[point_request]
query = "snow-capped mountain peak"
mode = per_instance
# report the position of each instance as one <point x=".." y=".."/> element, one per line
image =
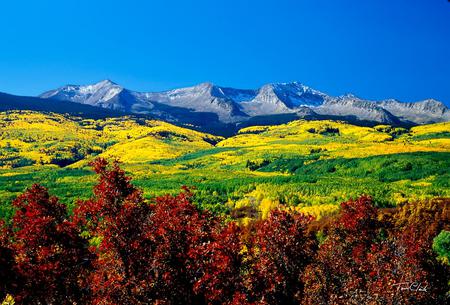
<point x="104" y="84"/>
<point x="231" y="105"/>
<point x="348" y="96"/>
<point x="98" y="94"/>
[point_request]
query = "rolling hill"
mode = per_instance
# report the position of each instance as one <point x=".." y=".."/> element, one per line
<point x="306" y="165"/>
<point x="28" y="138"/>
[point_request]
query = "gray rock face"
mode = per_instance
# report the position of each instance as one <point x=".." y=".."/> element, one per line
<point x="102" y="94"/>
<point x="229" y="105"/>
<point x="423" y="112"/>
<point x="201" y="98"/>
<point x="356" y="108"/>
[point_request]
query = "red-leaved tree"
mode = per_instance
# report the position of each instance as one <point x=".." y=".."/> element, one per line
<point x="282" y="248"/>
<point x="339" y="274"/>
<point x="114" y="220"/>
<point x="403" y="267"/>
<point x="365" y="261"/>
<point x="51" y="259"/>
<point x="177" y="229"/>
<point x="218" y="266"/>
<point x="8" y="279"/>
<point x="143" y="249"/>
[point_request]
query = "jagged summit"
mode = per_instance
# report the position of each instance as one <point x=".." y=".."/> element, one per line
<point x="99" y="94"/>
<point x="107" y="82"/>
<point x="212" y="104"/>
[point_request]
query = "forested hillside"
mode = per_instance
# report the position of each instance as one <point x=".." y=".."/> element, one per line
<point x="309" y="166"/>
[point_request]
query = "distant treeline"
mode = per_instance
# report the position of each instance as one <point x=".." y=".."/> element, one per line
<point x="118" y="248"/>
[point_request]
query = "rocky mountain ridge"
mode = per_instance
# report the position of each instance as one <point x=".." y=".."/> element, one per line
<point x="211" y="104"/>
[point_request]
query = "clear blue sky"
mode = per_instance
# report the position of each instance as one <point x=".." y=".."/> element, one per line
<point x="375" y="49"/>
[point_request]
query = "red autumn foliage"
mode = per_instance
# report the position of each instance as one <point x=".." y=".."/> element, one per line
<point x="401" y="274"/>
<point x="405" y="261"/>
<point x="143" y="256"/>
<point x="51" y="259"/>
<point x="7" y="275"/>
<point x="177" y="229"/>
<point x="218" y="266"/>
<point x="338" y="276"/>
<point x="362" y="263"/>
<point x="115" y="220"/>
<point x="121" y="249"/>
<point x="112" y="190"/>
<point x="282" y="250"/>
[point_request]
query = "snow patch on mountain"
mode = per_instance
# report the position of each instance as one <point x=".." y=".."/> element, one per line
<point x="230" y="105"/>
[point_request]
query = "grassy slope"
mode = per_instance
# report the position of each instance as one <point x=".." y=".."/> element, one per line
<point x="310" y="166"/>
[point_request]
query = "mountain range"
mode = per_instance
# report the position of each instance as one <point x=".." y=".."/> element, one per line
<point x="210" y="107"/>
<point x="14" y="102"/>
